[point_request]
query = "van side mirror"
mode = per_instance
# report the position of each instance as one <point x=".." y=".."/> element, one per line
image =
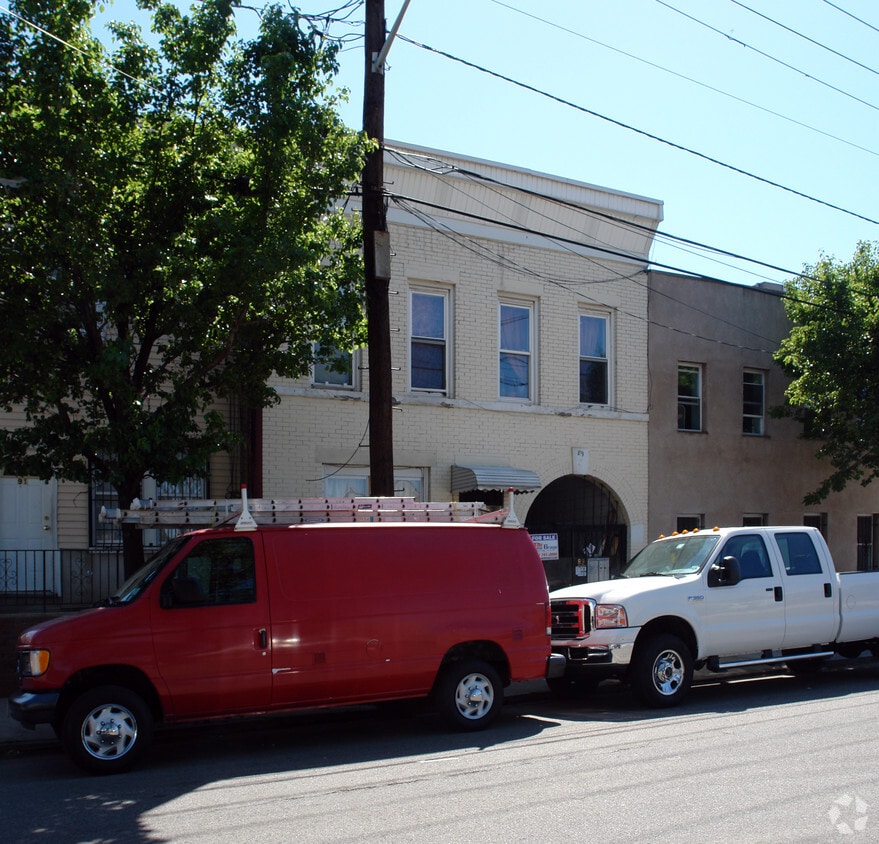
<point x="725" y="572"/>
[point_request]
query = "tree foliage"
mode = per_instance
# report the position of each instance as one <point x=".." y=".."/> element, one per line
<point x="171" y="231"/>
<point x="832" y="355"/>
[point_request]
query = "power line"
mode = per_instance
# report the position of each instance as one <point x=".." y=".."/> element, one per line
<point x="641" y="132"/>
<point x="804" y="37"/>
<point x="410" y="159"/>
<point x="689" y="79"/>
<point x="769" y="56"/>
<point x="853" y="17"/>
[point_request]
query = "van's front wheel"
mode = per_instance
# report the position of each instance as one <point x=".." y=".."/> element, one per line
<point x="469" y="695"/>
<point x="106" y="729"/>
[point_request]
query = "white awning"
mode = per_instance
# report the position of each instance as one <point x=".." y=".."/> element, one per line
<point x="466" y="478"/>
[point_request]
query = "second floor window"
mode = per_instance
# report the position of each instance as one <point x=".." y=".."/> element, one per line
<point x="689" y="397"/>
<point x="594" y="369"/>
<point x="515" y="351"/>
<point x="334" y="369"/>
<point x="429" y="358"/>
<point x="753" y="391"/>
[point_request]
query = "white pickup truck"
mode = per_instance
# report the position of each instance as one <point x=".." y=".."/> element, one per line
<point x="715" y="599"/>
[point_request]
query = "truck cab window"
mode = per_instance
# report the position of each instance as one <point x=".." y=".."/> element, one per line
<point x="751" y="554"/>
<point x="798" y="553"/>
<point x="216" y="572"/>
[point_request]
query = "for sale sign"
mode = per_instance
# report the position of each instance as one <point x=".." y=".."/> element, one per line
<point x="547" y="545"/>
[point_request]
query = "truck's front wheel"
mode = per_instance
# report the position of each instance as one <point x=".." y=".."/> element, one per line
<point x="469" y="695"/>
<point x="106" y="729"/>
<point x="662" y="671"/>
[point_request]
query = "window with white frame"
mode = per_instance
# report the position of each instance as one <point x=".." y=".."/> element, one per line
<point x="753" y="402"/>
<point x="353" y="482"/>
<point x="334" y="368"/>
<point x="516" y="364"/>
<point x="689" y="397"/>
<point x="594" y="360"/>
<point x="429" y="358"/>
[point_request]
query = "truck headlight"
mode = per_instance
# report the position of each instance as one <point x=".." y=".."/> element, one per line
<point x="33" y="663"/>
<point x="610" y="615"/>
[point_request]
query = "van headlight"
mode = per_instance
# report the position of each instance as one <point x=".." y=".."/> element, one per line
<point x="33" y="663"/>
<point x="610" y="615"/>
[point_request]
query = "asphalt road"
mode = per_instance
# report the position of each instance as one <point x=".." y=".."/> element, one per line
<point x="775" y="759"/>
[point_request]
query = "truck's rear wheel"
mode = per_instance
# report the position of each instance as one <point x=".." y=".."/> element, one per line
<point x="662" y="671"/>
<point x="107" y="729"/>
<point x="469" y="695"/>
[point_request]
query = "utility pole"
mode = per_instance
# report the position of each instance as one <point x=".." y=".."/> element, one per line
<point x="377" y="259"/>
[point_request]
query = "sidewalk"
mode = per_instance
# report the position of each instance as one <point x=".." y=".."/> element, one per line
<point x="17" y="739"/>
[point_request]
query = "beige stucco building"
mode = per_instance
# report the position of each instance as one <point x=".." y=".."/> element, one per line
<point x="717" y="456"/>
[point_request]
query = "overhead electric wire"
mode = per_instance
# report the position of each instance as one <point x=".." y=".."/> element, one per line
<point x="853" y="17"/>
<point x="641" y="132"/>
<point x="689" y="79"/>
<point x="504" y="261"/>
<point x="768" y="56"/>
<point x="804" y="37"/>
<point x="408" y="158"/>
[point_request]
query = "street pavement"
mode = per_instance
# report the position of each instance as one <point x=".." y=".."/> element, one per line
<point x="16" y="739"/>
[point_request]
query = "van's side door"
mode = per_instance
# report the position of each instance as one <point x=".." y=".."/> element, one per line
<point x="211" y="628"/>
<point x="811" y="613"/>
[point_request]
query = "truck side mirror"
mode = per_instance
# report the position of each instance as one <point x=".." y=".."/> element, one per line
<point x="725" y="572"/>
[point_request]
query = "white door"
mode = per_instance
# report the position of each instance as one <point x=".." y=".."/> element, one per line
<point x="810" y="598"/>
<point x="28" y="509"/>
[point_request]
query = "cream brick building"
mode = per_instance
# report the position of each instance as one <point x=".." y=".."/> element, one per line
<point x="562" y="262"/>
<point x="519" y="344"/>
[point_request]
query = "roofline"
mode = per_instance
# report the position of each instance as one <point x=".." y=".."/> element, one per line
<point x="524" y="171"/>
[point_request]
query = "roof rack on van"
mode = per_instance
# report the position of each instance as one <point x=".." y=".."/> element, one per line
<point x="199" y="513"/>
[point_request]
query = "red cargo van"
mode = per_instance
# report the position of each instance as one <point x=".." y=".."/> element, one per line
<point x="225" y="622"/>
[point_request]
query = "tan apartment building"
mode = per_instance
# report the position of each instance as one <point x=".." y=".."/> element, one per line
<point x="519" y="343"/>
<point x="519" y="339"/>
<point x="717" y="456"/>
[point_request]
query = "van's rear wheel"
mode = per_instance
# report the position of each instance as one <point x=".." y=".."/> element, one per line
<point x="469" y="695"/>
<point x="107" y="729"/>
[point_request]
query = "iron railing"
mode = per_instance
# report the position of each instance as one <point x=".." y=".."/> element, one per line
<point x="60" y="579"/>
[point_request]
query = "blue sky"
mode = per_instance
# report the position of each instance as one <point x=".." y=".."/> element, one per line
<point x="709" y="75"/>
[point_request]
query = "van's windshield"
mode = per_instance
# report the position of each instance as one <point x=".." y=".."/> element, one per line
<point x="674" y="557"/>
<point x="135" y="584"/>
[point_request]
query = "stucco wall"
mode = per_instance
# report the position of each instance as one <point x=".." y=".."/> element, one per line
<point x="721" y="472"/>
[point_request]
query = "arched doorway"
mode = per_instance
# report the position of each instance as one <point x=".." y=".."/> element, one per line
<point x="591" y="528"/>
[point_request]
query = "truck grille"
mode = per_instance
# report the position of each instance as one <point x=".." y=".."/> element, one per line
<point x="571" y="619"/>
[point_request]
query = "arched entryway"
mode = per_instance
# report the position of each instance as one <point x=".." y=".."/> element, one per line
<point x="591" y="528"/>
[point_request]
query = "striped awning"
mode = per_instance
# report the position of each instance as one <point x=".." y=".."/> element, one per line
<point x="466" y="478"/>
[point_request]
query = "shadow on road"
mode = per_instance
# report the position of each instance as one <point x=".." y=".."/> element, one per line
<point x="46" y="798"/>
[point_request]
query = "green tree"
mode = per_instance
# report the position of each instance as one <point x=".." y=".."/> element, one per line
<point x="171" y="233"/>
<point x="832" y="355"/>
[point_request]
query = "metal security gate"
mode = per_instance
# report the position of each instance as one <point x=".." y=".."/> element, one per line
<point x="592" y="536"/>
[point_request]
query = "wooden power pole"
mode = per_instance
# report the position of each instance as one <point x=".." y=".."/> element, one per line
<point x="377" y="260"/>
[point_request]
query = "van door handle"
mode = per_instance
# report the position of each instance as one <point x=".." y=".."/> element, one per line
<point x="779" y="593"/>
<point x="263" y="638"/>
